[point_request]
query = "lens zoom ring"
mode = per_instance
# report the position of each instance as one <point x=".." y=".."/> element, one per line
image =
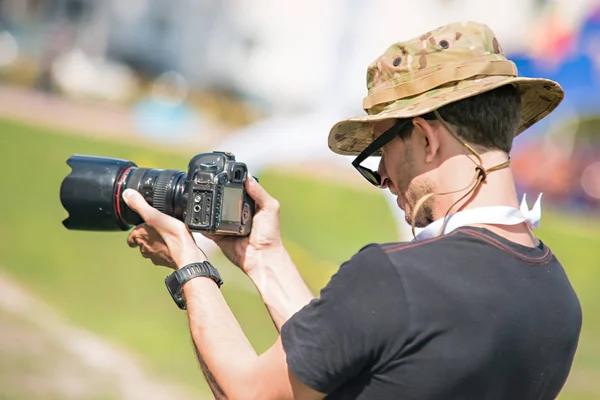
<point x="159" y="195"/>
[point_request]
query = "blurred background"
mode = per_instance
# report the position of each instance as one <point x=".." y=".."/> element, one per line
<point x="82" y="316"/>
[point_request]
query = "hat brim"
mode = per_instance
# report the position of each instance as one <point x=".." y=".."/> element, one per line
<point x="539" y="97"/>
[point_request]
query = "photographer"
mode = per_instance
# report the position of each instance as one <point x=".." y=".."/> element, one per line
<point x="475" y="307"/>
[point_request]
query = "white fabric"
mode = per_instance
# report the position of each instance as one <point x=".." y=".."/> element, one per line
<point x="499" y="215"/>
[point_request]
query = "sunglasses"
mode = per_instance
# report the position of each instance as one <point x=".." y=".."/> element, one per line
<point x="372" y="176"/>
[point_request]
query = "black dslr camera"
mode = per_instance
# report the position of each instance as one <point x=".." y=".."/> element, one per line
<point x="211" y="197"/>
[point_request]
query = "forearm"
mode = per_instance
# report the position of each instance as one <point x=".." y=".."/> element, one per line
<point x="280" y="285"/>
<point x="224" y="353"/>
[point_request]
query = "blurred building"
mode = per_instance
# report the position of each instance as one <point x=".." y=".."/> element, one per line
<point x="307" y="61"/>
<point x="292" y="54"/>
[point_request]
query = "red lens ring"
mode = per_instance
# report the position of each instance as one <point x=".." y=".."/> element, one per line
<point x="118" y="194"/>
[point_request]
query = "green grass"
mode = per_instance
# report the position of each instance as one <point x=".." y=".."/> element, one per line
<point x="576" y="242"/>
<point x="103" y="285"/>
<point x="97" y="282"/>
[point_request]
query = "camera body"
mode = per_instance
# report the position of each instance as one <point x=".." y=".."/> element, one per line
<point x="210" y="198"/>
<point x="217" y="200"/>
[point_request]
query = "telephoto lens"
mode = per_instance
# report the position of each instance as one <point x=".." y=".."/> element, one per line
<point x="92" y="193"/>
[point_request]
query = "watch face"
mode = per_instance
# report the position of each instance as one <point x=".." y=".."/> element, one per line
<point x="172" y="284"/>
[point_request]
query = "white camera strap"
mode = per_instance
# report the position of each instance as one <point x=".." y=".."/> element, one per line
<point x="498" y="215"/>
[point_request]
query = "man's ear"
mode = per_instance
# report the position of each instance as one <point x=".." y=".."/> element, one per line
<point x="428" y="139"/>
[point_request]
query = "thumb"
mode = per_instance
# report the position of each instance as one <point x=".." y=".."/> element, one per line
<point x="137" y="203"/>
<point x="259" y="194"/>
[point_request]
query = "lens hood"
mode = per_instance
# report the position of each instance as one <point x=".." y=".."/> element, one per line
<point x="88" y="193"/>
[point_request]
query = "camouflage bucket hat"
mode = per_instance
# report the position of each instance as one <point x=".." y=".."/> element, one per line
<point x="448" y="64"/>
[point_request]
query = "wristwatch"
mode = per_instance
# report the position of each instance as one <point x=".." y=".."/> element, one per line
<point x="177" y="279"/>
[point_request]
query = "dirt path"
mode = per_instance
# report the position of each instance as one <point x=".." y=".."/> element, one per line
<point x="45" y="358"/>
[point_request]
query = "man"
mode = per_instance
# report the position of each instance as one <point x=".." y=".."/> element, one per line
<point x="474" y="308"/>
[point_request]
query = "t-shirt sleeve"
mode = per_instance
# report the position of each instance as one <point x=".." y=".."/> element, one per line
<point x="359" y="317"/>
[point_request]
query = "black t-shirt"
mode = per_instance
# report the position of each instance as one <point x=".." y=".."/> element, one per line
<point x="468" y="315"/>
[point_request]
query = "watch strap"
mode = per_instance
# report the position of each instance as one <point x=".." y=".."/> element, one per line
<point x="178" y="278"/>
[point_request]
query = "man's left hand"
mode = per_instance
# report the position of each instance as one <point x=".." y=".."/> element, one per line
<point x="161" y="238"/>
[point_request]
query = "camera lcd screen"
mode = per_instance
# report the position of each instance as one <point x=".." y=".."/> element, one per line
<point x="232" y="204"/>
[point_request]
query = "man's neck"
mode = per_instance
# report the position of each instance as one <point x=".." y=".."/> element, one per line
<point x="497" y="190"/>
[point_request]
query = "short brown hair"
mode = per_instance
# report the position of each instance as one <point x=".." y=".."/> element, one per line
<point x="488" y="120"/>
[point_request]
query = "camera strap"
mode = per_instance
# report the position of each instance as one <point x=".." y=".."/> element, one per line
<point x="498" y="215"/>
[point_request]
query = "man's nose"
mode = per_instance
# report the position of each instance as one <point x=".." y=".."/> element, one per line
<point x="383" y="174"/>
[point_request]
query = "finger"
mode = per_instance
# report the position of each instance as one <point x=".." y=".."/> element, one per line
<point x="137" y="203"/>
<point x="134" y="237"/>
<point x="144" y="252"/>
<point x="161" y="223"/>
<point x="259" y="194"/>
<point x="131" y="239"/>
<point x="219" y="240"/>
<point x="210" y="236"/>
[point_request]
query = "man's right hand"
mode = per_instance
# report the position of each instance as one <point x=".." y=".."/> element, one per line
<point x="265" y="238"/>
<point x="262" y="257"/>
